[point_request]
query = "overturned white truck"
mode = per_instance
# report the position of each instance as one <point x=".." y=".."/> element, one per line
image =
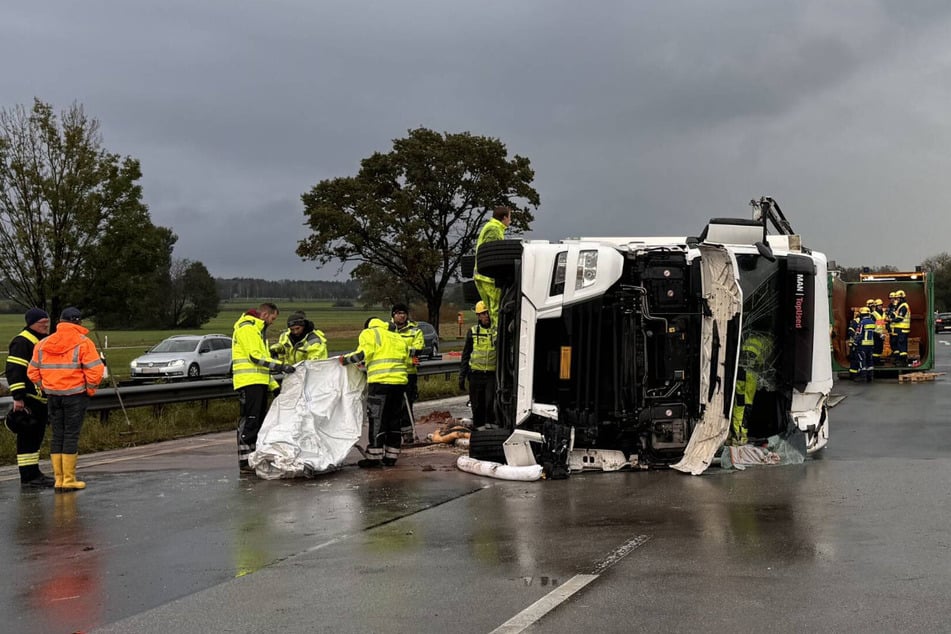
<point x="651" y="352"/>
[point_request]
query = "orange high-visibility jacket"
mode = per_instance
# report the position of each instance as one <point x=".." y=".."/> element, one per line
<point x="66" y="362"/>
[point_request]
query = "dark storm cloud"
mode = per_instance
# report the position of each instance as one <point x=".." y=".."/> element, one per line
<point x="639" y="118"/>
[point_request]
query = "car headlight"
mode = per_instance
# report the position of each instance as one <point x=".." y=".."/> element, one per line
<point x="134" y="364"/>
<point x="177" y="363"/>
<point x="587" y="269"/>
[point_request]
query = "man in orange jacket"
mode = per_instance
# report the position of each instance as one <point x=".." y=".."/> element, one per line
<point x="67" y="368"/>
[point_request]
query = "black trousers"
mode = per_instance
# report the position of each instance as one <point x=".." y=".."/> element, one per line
<point x="384" y="411"/>
<point x="482" y="398"/>
<point x="253" y="399"/>
<point x="66" y="418"/>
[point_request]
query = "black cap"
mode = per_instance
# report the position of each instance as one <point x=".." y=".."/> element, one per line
<point x="297" y="318"/>
<point x="399" y="308"/>
<point x="34" y="315"/>
<point x="72" y="315"/>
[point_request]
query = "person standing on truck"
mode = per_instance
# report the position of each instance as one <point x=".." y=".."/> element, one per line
<point x="300" y="342"/>
<point x="385" y="355"/>
<point x="28" y="418"/>
<point x="902" y="328"/>
<point x="401" y="324"/>
<point x="863" y="345"/>
<point x="492" y="230"/>
<point x="251" y="366"/>
<point x="478" y="366"/>
<point x="878" y="314"/>
<point x="67" y="368"/>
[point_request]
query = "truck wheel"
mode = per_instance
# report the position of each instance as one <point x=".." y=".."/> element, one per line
<point x="497" y="259"/>
<point x="467" y="265"/>
<point x="486" y="444"/>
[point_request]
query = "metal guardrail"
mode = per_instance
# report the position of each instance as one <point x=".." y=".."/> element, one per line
<point x="155" y="394"/>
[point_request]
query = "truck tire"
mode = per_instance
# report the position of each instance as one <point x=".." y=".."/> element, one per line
<point x="486" y="444"/>
<point x="497" y="259"/>
<point x="467" y="266"/>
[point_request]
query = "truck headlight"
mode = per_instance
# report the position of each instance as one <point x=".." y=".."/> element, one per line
<point x="558" y="275"/>
<point x="587" y="269"/>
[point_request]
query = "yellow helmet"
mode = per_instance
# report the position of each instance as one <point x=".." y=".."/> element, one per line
<point x="879" y="302"/>
<point x="480" y="307"/>
<point x="899" y="294"/>
<point x="864" y="310"/>
<point x="892" y="295"/>
<point x="869" y="302"/>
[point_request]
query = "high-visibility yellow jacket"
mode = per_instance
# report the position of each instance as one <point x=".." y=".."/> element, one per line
<point x="313" y="345"/>
<point x="66" y="363"/>
<point x="383" y="352"/>
<point x="413" y="337"/>
<point x="478" y="353"/>
<point x="251" y="362"/>
<point x="491" y="231"/>
<point x="902" y="317"/>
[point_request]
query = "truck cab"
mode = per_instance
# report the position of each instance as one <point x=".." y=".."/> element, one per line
<point x="627" y="351"/>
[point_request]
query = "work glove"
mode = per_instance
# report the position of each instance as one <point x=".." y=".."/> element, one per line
<point x="288" y="369"/>
<point x="462" y="383"/>
<point x="342" y="359"/>
<point x="276" y="393"/>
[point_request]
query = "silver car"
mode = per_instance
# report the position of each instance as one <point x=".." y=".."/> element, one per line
<point x="185" y="356"/>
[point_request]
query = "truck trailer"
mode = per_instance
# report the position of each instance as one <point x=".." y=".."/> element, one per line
<point x="646" y="352"/>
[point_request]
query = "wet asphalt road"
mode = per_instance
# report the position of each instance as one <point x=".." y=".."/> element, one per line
<point x="169" y="538"/>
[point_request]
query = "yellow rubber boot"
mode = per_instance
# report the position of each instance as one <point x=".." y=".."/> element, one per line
<point x="70" y="483"/>
<point x="57" y="460"/>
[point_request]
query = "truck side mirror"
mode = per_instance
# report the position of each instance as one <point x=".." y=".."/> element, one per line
<point x="765" y="251"/>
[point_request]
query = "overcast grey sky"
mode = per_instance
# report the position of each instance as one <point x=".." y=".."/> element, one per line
<point x="640" y="118"/>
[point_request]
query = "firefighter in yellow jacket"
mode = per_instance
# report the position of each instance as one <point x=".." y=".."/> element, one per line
<point x="401" y="324"/>
<point x="251" y="366"/>
<point x="478" y="367"/>
<point x="755" y="353"/>
<point x="385" y="356"/>
<point x="491" y="231"/>
<point x="300" y="342"/>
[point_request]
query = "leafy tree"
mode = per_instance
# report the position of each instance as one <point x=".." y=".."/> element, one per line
<point x="126" y="282"/>
<point x="63" y="197"/>
<point x="200" y="295"/>
<point x="940" y="268"/>
<point x="410" y="215"/>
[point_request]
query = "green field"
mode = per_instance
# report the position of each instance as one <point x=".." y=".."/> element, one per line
<point x="341" y="325"/>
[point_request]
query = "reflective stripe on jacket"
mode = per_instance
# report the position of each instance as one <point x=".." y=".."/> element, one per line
<point x="313" y="345"/>
<point x="384" y="353"/>
<point x="251" y="362"/>
<point x="66" y="363"/>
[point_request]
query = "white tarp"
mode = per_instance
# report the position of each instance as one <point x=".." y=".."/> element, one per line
<point x="314" y="422"/>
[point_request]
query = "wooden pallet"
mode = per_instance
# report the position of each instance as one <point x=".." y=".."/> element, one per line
<point x="919" y="377"/>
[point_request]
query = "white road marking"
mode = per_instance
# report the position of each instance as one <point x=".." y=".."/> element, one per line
<point x="530" y="615"/>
